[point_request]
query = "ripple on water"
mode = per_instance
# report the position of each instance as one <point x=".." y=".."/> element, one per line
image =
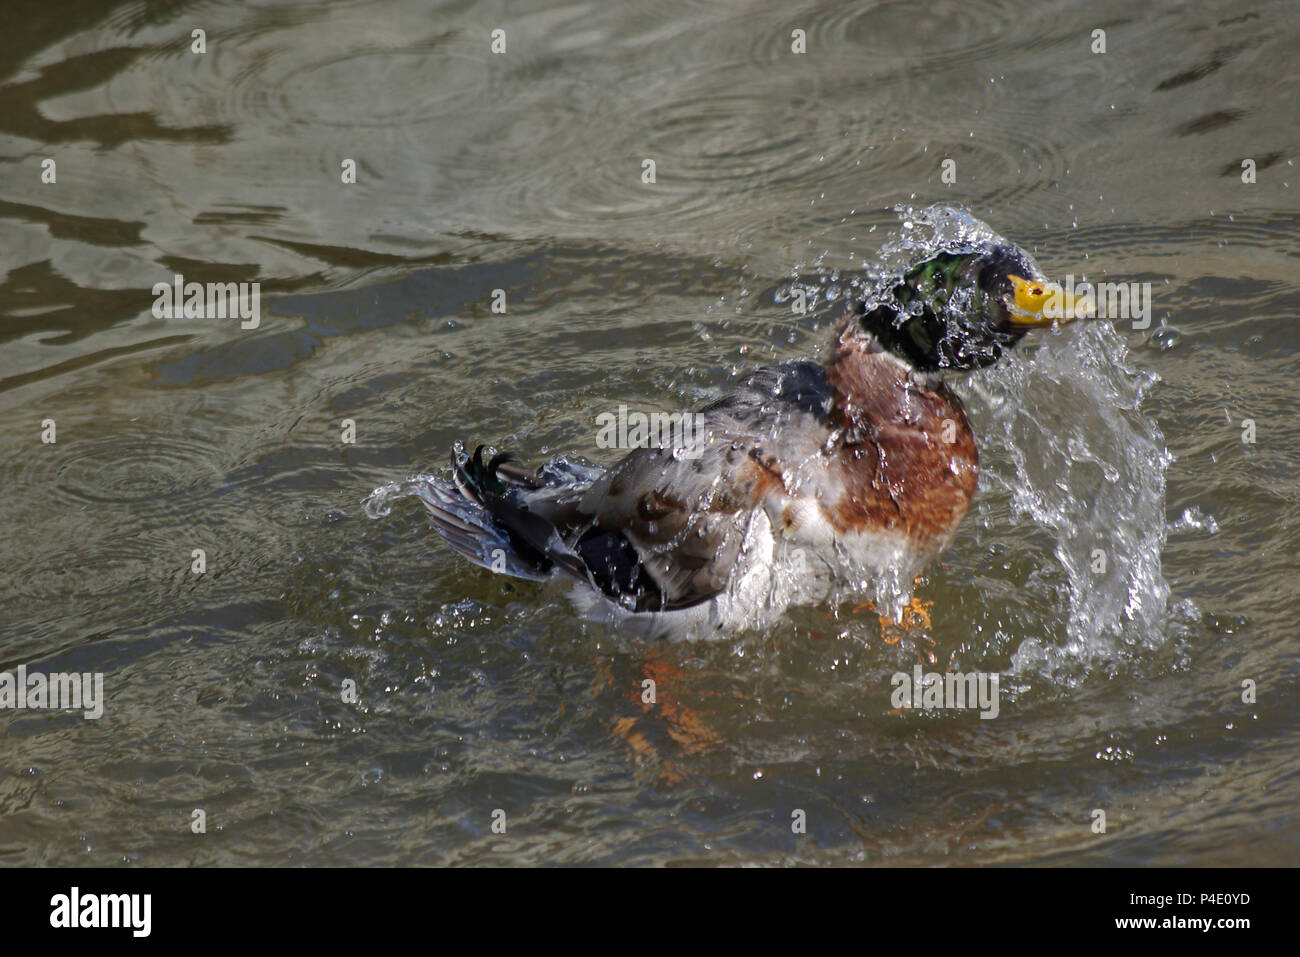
<point x="133" y="468"/>
<point x="127" y="468"/>
<point x="950" y="31"/>
<point x="119" y="516"/>
<point x="360" y="73"/>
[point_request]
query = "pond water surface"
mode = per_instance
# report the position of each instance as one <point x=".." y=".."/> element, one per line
<point x="523" y="171"/>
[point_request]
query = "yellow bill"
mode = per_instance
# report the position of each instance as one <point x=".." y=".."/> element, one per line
<point x="1036" y="303"/>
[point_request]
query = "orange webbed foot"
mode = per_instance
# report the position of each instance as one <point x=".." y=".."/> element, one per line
<point x="916" y="617"/>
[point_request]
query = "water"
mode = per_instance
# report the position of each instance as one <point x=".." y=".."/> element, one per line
<point x="475" y="172"/>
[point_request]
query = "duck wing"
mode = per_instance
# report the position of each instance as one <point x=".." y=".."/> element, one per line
<point x="664" y="528"/>
<point x="685" y="512"/>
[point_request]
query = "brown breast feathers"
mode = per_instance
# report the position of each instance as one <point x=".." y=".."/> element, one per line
<point x="907" y="458"/>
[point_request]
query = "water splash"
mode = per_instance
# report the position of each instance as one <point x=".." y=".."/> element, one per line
<point x="1063" y="434"/>
<point x="379" y="503"/>
<point x="925" y="231"/>
<point x="922" y="232"/>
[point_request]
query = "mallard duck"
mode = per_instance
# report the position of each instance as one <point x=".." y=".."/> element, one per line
<point x="807" y="478"/>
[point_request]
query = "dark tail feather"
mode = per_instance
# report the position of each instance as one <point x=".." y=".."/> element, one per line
<point x="469" y="529"/>
<point x="486" y="519"/>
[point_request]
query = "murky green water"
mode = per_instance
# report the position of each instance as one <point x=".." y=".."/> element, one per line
<point x="523" y="171"/>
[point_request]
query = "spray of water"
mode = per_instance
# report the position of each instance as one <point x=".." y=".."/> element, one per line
<point x="1063" y="435"/>
<point x="1062" y="432"/>
<point x="1067" y="440"/>
<point x="379" y="503"/>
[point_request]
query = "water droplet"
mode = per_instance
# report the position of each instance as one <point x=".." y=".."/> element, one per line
<point x="1165" y="338"/>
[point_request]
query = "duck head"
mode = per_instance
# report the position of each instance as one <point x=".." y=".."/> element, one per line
<point x="959" y="309"/>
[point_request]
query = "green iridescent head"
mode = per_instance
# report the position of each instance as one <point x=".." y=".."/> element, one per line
<point x="959" y="309"/>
